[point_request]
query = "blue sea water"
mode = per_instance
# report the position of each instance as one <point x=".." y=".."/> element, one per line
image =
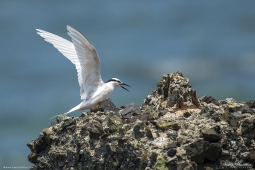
<point x="211" y="42"/>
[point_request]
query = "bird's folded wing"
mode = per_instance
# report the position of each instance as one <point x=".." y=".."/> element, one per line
<point x="83" y="55"/>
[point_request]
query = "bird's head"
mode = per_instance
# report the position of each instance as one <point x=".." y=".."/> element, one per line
<point x="117" y="83"/>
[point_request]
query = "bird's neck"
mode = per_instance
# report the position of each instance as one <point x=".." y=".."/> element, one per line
<point x="109" y="86"/>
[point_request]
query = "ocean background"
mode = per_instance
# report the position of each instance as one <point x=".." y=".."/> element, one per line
<point x="211" y="42"/>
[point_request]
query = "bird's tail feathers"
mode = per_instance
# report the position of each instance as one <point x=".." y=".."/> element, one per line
<point x="66" y="114"/>
<point x="72" y="110"/>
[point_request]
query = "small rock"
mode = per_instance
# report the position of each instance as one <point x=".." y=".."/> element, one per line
<point x="216" y="117"/>
<point x="160" y="163"/>
<point x="154" y="155"/>
<point x="160" y="142"/>
<point x="33" y="158"/>
<point x="172" y="145"/>
<point x="172" y="134"/>
<point x="95" y="129"/>
<point x="194" y="98"/>
<point x="130" y="110"/>
<point x="252" y="157"/>
<point x="48" y="131"/>
<point x="225" y="154"/>
<point x="213" y="151"/>
<point x="210" y="134"/>
<point x="187" y="114"/>
<point x="31" y="145"/>
<point x="230" y="100"/>
<point x="138" y="130"/>
<point x="62" y="117"/>
<point x="181" y="166"/>
<point x="247" y="125"/>
<point x="251" y="103"/>
<point x="234" y="107"/>
<point x="246" y="109"/>
<point x="196" y="151"/>
<point x="68" y="122"/>
<point x="83" y="114"/>
<point x="148" y="133"/>
<point x="40" y="144"/>
<point x="143" y="117"/>
<point x="148" y="168"/>
<point x="245" y="155"/>
<point x="114" y="123"/>
<point x="171" y="149"/>
<point x="209" y="168"/>
<point x="108" y="149"/>
<point x="104" y="106"/>
<point x="164" y="124"/>
<point x="234" y="118"/>
<point x="210" y="99"/>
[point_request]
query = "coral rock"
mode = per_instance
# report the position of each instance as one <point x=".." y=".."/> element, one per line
<point x="173" y="129"/>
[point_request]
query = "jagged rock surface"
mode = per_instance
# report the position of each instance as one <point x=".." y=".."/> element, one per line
<point x="173" y="129"/>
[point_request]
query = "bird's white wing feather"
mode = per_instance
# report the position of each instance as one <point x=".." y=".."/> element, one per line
<point x="83" y="55"/>
<point x="64" y="46"/>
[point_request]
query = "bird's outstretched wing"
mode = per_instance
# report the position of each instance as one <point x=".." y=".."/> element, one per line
<point x="82" y="54"/>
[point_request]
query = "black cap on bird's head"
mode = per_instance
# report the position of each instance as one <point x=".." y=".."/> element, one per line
<point x="119" y="83"/>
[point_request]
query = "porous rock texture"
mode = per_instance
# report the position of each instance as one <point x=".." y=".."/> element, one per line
<point x="172" y="129"/>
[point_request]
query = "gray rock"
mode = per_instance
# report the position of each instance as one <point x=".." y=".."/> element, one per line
<point x="251" y="103"/>
<point x="247" y="125"/>
<point x="225" y="154"/>
<point x="171" y="149"/>
<point x="213" y="151"/>
<point x="105" y="106"/>
<point x="95" y="129"/>
<point x="211" y="134"/>
<point x="142" y="117"/>
<point x="39" y="144"/>
<point x="247" y="109"/>
<point x="68" y="122"/>
<point x="216" y="117"/>
<point x="138" y="130"/>
<point x="234" y="118"/>
<point x="172" y="134"/>
<point x="196" y="151"/>
<point x="62" y="117"/>
<point x="251" y="158"/>
<point x="130" y="110"/>
<point x="210" y="99"/>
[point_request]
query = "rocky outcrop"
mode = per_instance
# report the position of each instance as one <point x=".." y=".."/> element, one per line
<point x="172" y="129"/>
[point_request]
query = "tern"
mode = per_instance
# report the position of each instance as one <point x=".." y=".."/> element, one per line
<point x="87" y="63"/>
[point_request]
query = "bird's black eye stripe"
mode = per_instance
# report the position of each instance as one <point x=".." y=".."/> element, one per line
<point x="114" y="80"/>
<point x="109" y="80"/>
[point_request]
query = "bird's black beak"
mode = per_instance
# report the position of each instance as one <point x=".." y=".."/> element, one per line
<point x="123" y="84"/>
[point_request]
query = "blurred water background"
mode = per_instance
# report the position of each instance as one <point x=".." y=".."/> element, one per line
<point x="211" y="42"/>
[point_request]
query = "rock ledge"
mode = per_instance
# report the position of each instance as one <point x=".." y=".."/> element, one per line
<point x="172" y="129"/>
